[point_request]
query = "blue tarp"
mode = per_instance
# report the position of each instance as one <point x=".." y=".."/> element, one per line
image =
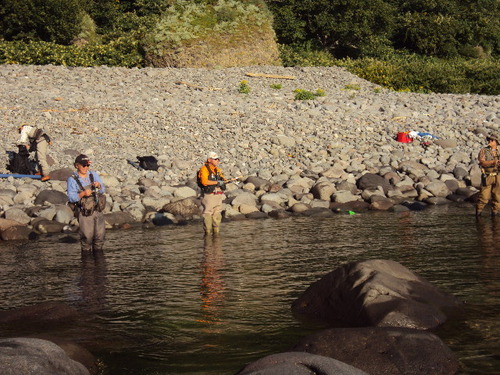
<point x="7" y="175"/>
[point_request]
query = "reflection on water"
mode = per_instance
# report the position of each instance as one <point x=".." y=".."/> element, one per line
<point x="92" y="282"/>
<point x="168" y="301"/>
<point x="212" y="284"/>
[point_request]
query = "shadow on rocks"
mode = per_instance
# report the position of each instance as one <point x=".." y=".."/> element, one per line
<point x="386" y="350"/>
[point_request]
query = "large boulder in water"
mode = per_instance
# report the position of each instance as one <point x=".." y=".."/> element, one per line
<point x="383" y="350"/>
<point x="375" y="293"/>
<point x="18" y="233"/>
<point x="183" y="209"/>
<point x="6" y="223"/>
<point x="295" y="363"/>
<point x="47" y="226"/>
<point x="41" y="313"/>
<point x="35" y="356"/>
<point x="74" y="351"/>
<point x="118" y="219"/>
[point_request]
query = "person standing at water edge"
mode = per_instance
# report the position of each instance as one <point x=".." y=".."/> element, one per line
<point x="85" y="189"/>
<point x="36" y="140"/>
<point x="490" y="178"/>
<point x="211" y="181"/>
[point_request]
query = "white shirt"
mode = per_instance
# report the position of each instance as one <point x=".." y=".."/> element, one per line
<point x="26" y="132"/>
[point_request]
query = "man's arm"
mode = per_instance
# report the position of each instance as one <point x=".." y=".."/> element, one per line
<point x="482" y="160"/>
<point x="73" y="190"/>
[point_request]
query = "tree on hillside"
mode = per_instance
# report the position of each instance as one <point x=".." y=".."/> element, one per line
<point x="447" y="28"/>
<point x="358" y="28"/>
<point x="343" y="27"/>
<point x="55" y="21"/>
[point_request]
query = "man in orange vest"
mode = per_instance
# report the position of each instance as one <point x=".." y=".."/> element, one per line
<point x="212" y="183"/>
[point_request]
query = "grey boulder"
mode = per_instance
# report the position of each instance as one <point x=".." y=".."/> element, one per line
<point x="296" y="363"/>
<point x="36" y="356"/>
<point x="375" y="293"/>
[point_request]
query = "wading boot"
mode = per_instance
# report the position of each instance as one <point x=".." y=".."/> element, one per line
<point x="207" y="224"/>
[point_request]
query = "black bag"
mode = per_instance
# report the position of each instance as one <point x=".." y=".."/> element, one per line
<point x="20" y="163"/>
<point x="148" y="162"/>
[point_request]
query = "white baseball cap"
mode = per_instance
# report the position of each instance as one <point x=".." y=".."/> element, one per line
<point x="212" y="155"/>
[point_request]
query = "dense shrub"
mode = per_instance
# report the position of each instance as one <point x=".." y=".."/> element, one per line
<point x="120" y="52"/>
<point x="344" y="28"/>
<point x="410" y="72"/>
<point x="425" y="74"/>
<point x="57" y="21"/>
<point x="371" y="28"/>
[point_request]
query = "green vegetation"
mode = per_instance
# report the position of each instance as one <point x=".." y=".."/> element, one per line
<point x="375" y="28"/>
<point x="447" y="46"/>
<point x="244" y="88"/>
<point x="301" y="94"/>
<point x="276" y="86"/>
<point x="411" y="72"/>
<point x="352" y="86"/>
<point x="119" y="52"/>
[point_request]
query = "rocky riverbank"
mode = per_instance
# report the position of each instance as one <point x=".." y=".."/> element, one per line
<point x="335" y="153"/>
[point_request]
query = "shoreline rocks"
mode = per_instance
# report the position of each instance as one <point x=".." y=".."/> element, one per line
<point x="336" y="153"/>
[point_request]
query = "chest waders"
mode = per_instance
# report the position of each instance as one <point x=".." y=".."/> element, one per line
<point x="87" y="205"/>
<point x="490" y="185"/>
<point x="212" y="202"/>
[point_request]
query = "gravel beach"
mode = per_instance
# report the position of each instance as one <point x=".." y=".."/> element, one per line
<point x="307" y="152"/>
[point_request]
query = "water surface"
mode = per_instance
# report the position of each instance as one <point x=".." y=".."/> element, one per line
<point x="167" y="301"/>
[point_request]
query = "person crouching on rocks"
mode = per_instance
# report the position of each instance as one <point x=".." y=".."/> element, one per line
<point x="35" y="140"/>
<point x="85" y="191"/>
<point x="211" y="182"/>
<point x="490" y="177"/>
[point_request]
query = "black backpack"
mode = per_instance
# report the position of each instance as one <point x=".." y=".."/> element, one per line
<point x="20" y="163"/>
<point x="148" y="162"/>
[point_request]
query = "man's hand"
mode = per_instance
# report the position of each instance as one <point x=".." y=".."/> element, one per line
<point x="85" y="193"/>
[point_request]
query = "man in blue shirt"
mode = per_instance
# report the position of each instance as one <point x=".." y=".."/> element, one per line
<point x="85" y="189"/>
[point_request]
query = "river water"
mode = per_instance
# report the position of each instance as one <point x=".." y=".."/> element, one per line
<point x="167" y="301"/>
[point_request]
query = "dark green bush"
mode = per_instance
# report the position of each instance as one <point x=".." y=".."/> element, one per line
<point x="367" y="28"/>
<point x="56" y="21"/>
<point x="342" y="27"/>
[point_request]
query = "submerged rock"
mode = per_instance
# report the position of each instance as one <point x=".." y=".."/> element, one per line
<point x="375" y="293"/>
<point x="36" y="356"/>
<point x="297" y="363"/>
<point x="389" y="351"/>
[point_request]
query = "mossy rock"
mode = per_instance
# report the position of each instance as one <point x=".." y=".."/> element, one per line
<point x="246" y="47"/>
